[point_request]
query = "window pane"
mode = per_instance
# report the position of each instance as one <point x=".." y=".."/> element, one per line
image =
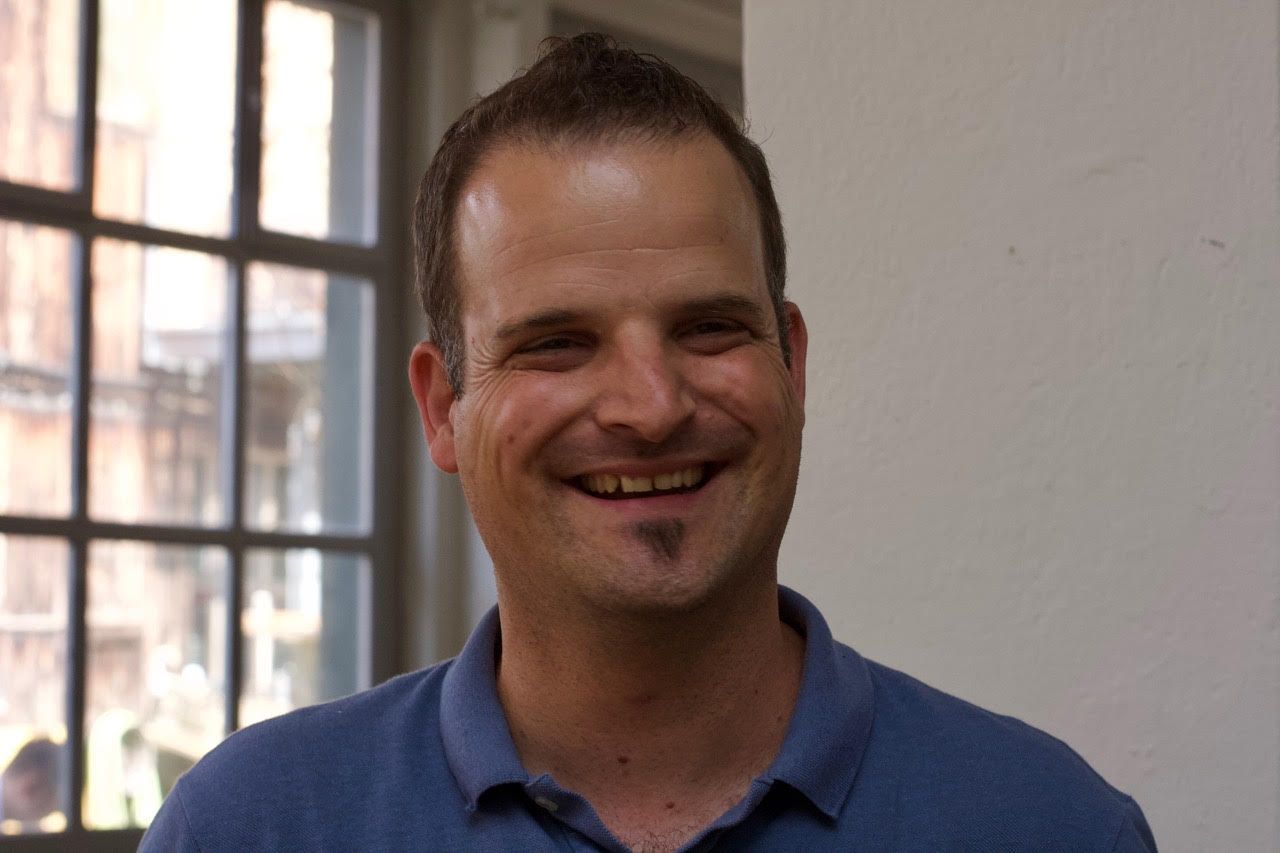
<point x="166" y="96"/>
<point x="319" y="120"/>
<point x="303" y="629"/>
<point x="36" y="340"/>
<point x="309" y="410"/>
<point x="39" y="70"/>
<point x="33" y="675"/>
<point x="159" y="334"/>
<point x="156" y="648"/>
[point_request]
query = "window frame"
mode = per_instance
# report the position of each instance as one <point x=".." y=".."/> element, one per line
<point x="381" y="263"/>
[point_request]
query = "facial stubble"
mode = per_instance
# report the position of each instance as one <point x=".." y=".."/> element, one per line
<point x="664" y="537"/>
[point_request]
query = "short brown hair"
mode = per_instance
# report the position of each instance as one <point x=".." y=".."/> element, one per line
<point x="582" y="89"/>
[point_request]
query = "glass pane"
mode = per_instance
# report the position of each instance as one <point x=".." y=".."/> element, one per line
<point x="37" y="266"/>
<point x="33" y="680"/>
<point x="159" y="335"/>
<point x="319" y="120"/>
<point x="156" y="664"/>
<point x="309" y="409"/>
<point x="166" y="98"/>
<point x="39" y="71"/>
<point x="303" y="629"/>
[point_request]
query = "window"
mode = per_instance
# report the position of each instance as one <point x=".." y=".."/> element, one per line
<point x="194" y="207"/>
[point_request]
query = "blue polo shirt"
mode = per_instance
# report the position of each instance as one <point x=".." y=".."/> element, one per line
<point x="873" y="760"/>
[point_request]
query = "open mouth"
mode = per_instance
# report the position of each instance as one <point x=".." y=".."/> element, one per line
<point x="622" y="487"/>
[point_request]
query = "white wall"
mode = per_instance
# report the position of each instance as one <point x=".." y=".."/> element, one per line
<point x="1037" y="243"/>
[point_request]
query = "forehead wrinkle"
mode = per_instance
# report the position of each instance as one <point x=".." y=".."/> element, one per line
<point x="558" y="232"/>
<point x="629" y="252"/>
<point x="679" y="230"/>
<point x="515" y="211"/>
<point x="710" y="271"/>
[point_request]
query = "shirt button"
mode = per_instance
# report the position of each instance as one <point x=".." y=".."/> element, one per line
<point x="549" y="805"/>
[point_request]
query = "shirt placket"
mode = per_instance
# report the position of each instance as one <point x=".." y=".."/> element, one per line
<point x="574" y="812"/>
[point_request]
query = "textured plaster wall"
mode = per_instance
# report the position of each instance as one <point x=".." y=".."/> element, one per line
<point x="1037" y="245"/>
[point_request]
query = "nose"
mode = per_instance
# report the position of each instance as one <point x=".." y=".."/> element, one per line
<point x="644" y="392"/>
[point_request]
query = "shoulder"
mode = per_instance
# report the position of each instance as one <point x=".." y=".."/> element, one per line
<point x="313" y="768"/>
<point x="353" y="731"/>
<point x="924" y="728"/>
<point x="965" y="769"/>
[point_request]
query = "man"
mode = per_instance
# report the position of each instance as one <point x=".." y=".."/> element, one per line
<point x="29" y="784"/>
<point x="615" y="376"/>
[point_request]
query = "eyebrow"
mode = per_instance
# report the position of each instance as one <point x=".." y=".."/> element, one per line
<point x="551" y="318"/>
<point x="726" y="303"/>
<point x="548" y="319"/>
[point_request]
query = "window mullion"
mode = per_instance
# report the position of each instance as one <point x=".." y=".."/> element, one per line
<point x="235" y="385"/>
<point x="88" y="98"/>
<point x="246" y="159"/>
<point x="77" y="594"/>
<point x="234" y="641"/>
<point x="77" y="672"/>
<point x="82" y="348"/>
<point x="81" y="376"/>
<point x="175" y="535"/>
<point x="382" y="629"/>
<point x="246" y="154"/>
<point x="54" y="204"/>
<point x="319" y="254"/>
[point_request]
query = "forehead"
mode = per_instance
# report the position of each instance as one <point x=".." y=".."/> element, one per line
<point x="538" y="215"/>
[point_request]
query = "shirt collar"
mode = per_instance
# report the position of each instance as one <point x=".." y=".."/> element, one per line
<point x="831" y="723"/>
<point x="477" y="741"/>
<point x="820" y="754"/>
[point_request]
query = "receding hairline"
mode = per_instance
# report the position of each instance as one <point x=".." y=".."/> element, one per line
<point x="568" y="144"/>
<point x="587" y="89"/>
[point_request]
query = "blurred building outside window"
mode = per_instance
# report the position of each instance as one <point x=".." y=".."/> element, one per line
<point x="161" y="522"/>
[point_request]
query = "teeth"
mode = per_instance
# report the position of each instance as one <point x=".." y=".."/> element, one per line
<point x="636" y="484"/>
<point x="610" y="483"/>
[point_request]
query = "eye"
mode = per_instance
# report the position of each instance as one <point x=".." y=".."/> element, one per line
<point x="715" y="334"/>
<point x="715" y="327"/>
<point x="554" y="352"/>
<point x="550" y="344"/>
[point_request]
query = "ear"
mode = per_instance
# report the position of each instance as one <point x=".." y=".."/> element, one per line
<point x="798" y="336"/>
<point x="435" y="404"/>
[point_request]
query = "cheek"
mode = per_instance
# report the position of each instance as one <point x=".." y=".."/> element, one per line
<point x="487" y="419"/>
<point x="510" y="420"/>
<point x="752" y="388"/>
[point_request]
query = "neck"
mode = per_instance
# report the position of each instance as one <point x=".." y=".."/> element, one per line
<point x="648" y="711"/>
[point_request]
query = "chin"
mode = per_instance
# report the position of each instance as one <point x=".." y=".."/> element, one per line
<point x="655" y="588"/>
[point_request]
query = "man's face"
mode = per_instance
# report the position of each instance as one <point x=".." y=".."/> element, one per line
<point x="629" y="435"/>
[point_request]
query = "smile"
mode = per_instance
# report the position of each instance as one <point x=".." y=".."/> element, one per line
<point x="681" y="480"/>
